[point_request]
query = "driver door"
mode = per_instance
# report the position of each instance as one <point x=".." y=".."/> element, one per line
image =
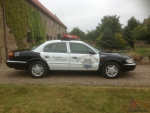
<point x="83" y="57"/>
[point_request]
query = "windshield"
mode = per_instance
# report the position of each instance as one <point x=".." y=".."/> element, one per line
<point x="93" y="47"/>
<point x="34" y="47"/>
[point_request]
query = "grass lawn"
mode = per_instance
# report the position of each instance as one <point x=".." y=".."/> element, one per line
<point x="143" y="50"/>
<point x="71" y="99"/>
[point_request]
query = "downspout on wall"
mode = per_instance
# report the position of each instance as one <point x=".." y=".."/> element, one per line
<point x="5" y="37"/>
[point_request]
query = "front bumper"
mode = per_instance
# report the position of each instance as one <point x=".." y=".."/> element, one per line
<point x="128" y="67"/>
<point x="21" y="65"/>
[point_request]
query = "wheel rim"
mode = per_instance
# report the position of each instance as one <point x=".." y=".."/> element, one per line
<point x="111" y="70"/>
<point x="37" y="70"/>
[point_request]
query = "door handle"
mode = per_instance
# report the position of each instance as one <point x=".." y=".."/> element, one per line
<point x="46" y="56"/>
<point x="75" y="57"/>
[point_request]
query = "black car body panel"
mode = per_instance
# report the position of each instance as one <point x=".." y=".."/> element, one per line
<point x="22" y="59"/>
<point x="119" y="58"/>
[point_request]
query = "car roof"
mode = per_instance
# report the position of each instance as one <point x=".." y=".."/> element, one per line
<point x="64" y="41"/>
<point x="53" y="41"/>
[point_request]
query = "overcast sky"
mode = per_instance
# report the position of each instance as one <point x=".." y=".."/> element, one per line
<point x="86" y="14"/>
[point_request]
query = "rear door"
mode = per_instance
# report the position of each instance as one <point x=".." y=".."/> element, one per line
<point x="57" y="56"/>
<point x="83" y="57"/>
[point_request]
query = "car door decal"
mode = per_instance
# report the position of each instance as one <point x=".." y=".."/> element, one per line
<point x="85" y="56"/>
<point x="87" y="63"/>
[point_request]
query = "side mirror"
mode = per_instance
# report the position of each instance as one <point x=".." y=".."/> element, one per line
<point x="91" y="52"/>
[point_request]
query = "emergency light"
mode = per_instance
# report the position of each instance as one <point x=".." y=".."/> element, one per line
<point x="69" y="37"/>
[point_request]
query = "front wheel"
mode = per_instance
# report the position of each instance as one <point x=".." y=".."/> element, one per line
<point x="38" y="69"/>
<point x="111" y="70"/>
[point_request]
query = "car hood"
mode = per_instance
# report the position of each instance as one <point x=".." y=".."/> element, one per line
<point x="113" y="55"/>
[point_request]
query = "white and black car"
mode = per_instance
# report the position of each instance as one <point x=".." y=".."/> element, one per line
<point x="69" y="55"/>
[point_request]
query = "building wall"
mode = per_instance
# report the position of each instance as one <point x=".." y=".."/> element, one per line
<point x="51" y="32"/>
<point x="2" y="44"/>
<point x="52" y="27"/>
<point x="10" y="39"/>
<point x="1" y="35"/>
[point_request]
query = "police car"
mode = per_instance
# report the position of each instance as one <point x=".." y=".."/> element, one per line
<point x="69" y="54"/>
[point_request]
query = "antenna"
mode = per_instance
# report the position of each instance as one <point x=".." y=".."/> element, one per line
<point x="62" y="15"/>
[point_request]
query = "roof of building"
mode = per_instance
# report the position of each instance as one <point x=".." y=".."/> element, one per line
<point x="37" y="4"/>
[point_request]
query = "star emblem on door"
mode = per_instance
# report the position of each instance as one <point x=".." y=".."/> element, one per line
<point x="87" y="63"/>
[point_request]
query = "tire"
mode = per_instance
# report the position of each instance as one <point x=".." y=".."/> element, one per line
<point x="111" y="70"/>
<point x="38" y="69"/>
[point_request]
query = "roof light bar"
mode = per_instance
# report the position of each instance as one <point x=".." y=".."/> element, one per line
<point x="69" y="37"/>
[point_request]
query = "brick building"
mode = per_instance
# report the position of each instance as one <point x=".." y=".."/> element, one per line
<point x="7" y="39"/>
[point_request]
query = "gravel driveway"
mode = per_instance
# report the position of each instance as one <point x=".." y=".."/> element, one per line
<point x="139" y="77"/>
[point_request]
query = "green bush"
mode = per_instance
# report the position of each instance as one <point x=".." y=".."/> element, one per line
<point x="119" y="41"/>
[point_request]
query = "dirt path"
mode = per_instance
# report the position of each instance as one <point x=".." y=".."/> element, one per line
<point x="139" y="77"/>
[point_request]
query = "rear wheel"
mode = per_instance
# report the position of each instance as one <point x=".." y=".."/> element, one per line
<point x="38" y="69"/>
<point x="111" y="70"/>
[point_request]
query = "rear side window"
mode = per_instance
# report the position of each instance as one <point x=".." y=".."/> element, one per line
<point x="56" y="48"/>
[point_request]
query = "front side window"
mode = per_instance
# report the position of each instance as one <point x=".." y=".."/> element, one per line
<point x="56" y="48"/>
<point x="80" y="48"/>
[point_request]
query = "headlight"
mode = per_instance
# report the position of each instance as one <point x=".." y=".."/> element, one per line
<point x="130" y="61"/>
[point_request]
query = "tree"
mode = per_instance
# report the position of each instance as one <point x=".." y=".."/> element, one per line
<point x="148" y="25"/>
<point x="148" y="29"/>
<point x="78" y="32"/>
<point x="127" y="34"/>
<point x="119" y="41"/>
<point x="140" y="33"/>
<point x="115" y="42"/>
<point x="90" y="35"/>
<point x="107" y="40"/>
<point x="97" y="40"/>
<point x="93" y="34"/>
<point x="133" y="23"/>
<point x="112" y="22"/>
<point x="104" y="33"/>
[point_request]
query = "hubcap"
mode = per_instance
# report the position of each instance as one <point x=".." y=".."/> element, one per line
<point x="111" y="70"/>
<point x="37" y="70"/>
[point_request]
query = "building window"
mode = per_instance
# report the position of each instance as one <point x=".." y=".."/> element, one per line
<point x="52" y="23"/>
<point x="29" y="38"/>
<point x="50" y="37"/>
<point x="58" y="36"/>
<point x="47" y="37"/>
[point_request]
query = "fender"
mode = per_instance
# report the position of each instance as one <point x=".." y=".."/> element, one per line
<point x="36" y="59"/>
<point x="104" y="61"/>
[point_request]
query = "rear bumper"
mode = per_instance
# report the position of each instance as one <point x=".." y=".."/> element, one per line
<point x="21" y="65"/>
<point x="128" y="67"/>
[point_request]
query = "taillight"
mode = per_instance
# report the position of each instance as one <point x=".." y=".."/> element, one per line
<point x="11" y="55"/>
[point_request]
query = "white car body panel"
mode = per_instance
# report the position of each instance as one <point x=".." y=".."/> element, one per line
<point x="84" y="62"/>
<point x="57" y="61"/>
<point x="69" y="61"/>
